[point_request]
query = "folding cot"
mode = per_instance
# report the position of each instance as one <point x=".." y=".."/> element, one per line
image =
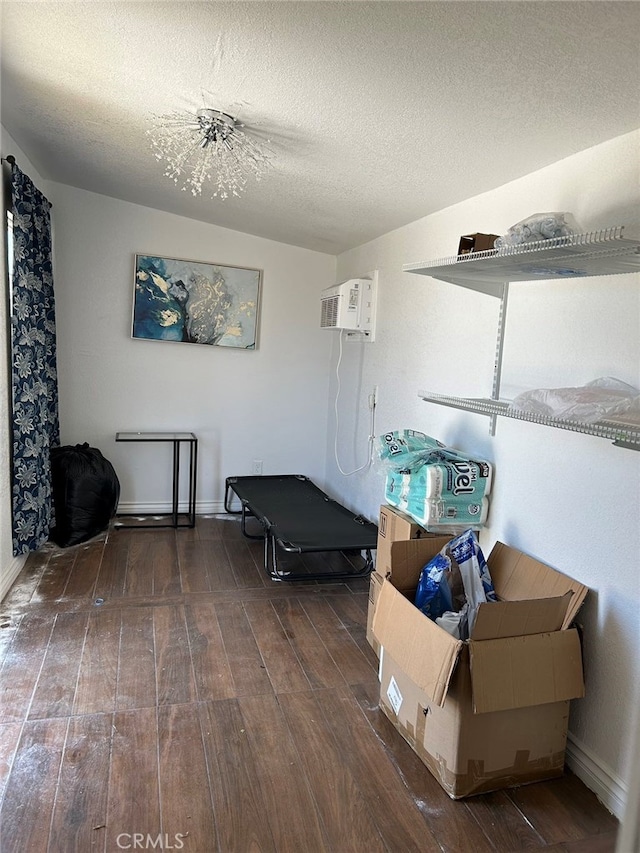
<point x="299" y="518"/>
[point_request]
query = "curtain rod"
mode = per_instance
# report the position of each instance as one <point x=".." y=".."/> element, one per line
<point x="10" y="159"/>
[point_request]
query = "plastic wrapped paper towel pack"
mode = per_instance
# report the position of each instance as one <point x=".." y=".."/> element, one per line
<point x="446" y="470"/>
<point x="448" y="515"/>
<point x="457" y="477"/>
<point x="446" y="512"/>
<point x="440" y="487"/>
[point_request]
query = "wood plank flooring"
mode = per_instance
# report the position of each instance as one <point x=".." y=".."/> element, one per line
<point x="160" y="692"/>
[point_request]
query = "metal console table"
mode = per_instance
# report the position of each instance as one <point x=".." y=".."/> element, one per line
<point x="176" y="439"/>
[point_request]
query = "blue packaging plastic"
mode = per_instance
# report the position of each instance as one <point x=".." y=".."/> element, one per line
<point x="433" y="596"/>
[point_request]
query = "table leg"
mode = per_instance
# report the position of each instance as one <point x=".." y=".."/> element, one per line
<point x="193" y="463"/>
<point x="176" y="481"/>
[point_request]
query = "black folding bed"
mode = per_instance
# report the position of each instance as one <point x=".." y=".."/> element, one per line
<point x="299" y="518"/>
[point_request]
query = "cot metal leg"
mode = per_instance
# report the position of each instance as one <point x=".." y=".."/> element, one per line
<point x="227" y="500"/>
<point x="244" y="524"/>
<point x="242" y="512"/>
<point x="274" y="572"/>
<point x="266" y="550"/>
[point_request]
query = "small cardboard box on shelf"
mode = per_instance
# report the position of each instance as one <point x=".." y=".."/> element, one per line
<point x="471" y="243"/>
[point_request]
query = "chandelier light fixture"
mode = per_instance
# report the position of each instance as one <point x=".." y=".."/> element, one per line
<point x="210" y="146"/>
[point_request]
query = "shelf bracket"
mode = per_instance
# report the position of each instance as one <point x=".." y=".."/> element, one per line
<point x="497" y="365"/>
<point x="628" y="445"/>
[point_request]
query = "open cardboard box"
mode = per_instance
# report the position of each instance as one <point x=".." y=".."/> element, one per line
<point x="490" y="712"/>
<point x="393" y="526"/>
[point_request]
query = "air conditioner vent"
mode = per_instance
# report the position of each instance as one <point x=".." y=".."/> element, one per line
<point x="329" y="317"/>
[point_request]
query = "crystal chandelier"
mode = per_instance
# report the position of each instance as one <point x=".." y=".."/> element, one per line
<point x="208" y="146"/>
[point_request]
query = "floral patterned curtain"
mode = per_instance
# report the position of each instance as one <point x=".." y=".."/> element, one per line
<point x="35" y="426"/>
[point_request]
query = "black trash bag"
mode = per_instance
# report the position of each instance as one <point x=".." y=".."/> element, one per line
<point x="85" y="490"/>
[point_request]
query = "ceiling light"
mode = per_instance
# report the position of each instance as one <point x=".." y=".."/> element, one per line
<point x="209" y="146"/>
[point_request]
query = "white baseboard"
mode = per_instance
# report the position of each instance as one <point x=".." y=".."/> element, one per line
<point x="606" y="785"/>
<point x="10" y="574"/>
<point x="164" y="507"/>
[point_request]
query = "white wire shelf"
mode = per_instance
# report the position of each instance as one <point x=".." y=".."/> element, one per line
<point x="595" y="253"/>
<point x="604" y="252"/>
<point x="621" y="433"/>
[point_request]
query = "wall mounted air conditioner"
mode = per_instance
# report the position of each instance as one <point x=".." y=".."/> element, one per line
<point x="349" y="305"/>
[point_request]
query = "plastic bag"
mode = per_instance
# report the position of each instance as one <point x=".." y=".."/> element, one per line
<point x="407" y="449"/>
<point x="433" y="596"/>
<point x="458" y="576"/>
<point x="539" y="226"/>
<point x="85" y="491"/>
<point x="476" y="579"/>
<point x="451" y="620"/>
<point x="588" y="403"/>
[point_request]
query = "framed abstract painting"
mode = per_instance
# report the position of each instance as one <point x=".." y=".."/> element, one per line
<point x="195" y="302"/>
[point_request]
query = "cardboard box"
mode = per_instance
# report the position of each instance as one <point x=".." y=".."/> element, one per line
<point x="393" y="526"/>
<point x="375" y="585"/>
<point x="491" y="712"/>
<point x="476" y="243"/>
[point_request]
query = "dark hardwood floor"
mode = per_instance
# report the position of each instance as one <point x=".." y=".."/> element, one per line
<point x="160" y="692"/>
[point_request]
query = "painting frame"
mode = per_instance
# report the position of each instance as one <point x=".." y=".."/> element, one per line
<point x="195" y="302"/>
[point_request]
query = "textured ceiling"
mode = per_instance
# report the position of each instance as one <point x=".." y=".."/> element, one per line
<point x="378" y="112"/>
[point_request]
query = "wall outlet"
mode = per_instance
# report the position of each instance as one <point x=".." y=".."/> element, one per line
<point x="256" y="466"/>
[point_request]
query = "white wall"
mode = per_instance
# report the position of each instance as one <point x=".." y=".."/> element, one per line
<point x="570" y="500"/>
<point x="9" y="566"/>
<point x="267" y="404"/>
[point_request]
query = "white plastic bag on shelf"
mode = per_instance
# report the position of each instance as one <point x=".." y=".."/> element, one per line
<point x="597" y="400"/>
<point x="540" y="226"/>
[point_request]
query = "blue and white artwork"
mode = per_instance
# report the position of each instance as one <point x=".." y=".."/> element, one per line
<point x="195" y="303"/>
